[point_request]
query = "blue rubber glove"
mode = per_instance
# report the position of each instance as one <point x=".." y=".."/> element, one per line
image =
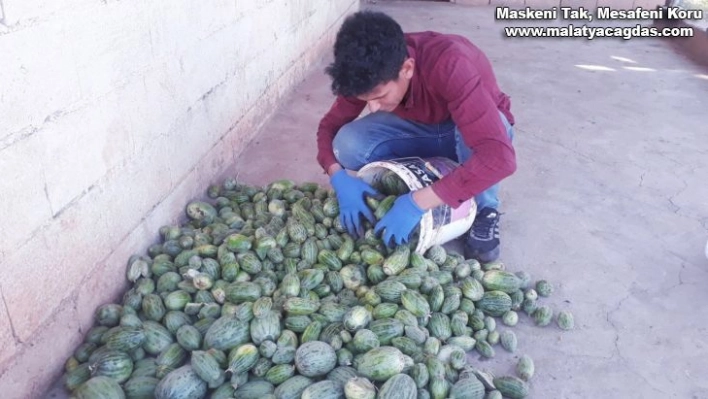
<point x="400" y="220"/>
<point x="350" y="192"/>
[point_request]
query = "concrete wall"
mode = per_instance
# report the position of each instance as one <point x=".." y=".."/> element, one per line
<point x="113" y="114"/>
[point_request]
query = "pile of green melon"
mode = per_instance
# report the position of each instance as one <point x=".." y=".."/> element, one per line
<point x="261" y="294"/>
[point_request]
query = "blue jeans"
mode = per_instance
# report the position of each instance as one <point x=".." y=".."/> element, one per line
<point x="383" y="135"/>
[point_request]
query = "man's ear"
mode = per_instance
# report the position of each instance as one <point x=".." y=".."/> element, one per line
<point x="407" y="69"/>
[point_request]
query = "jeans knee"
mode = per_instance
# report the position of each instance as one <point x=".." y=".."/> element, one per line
<point x="348" y="149"/>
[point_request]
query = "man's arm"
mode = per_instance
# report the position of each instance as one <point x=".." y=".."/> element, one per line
<point x="343" y="111"/>
<point x="477" y="117"/>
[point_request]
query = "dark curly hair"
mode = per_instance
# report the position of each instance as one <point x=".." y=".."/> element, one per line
<point x="369" y="50"/>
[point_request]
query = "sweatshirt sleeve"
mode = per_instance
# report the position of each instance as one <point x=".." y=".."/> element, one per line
<point x="476" y="116"/>
<point x="343" y="111"/>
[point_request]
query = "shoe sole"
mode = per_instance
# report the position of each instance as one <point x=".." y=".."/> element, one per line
<point x="485" y="257"/>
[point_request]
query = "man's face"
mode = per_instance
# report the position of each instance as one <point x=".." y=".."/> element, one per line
<point x="387" y="96"/>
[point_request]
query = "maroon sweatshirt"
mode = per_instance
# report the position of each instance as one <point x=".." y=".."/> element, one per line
<point x="452" y="79"/>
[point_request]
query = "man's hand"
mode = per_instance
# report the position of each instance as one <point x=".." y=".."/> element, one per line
<point x="350" y="192"/>
<point x="400" y="220"/>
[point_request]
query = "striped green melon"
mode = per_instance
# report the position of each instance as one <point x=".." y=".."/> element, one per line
<point x="261" y="368"/>
<point x="249" y="262"/>
<point x="372" y="257"/>
<point x="467" y="343"/>
<point x="266" y="328"/>
<point x="408" y="347"/>
<point x="243" y="358"/>
<point x="353" y="276"/>
<point x="279" y="373"/>
<point x="451" y="303"/>
<point x="359" y="388"/>
<point x="436" y="367"/>
<point x="113" y="364"/>
<point x="439" y="387"/>
<point x="544" y="288"/>
<point x="494" y="394"/>
<point x="420" y="375"/>
<point x="310" y="278"/>
<point x="472" y="289"/>
<point x="439" y="326"/>
<point x="153" y="307"/>
<point x="262" y="306"/>
<point x="291" y="388"/>
<point x="364" y="340"/>
<point x="95" y="333"/>
<point x="296" y="231"/>
<point x="345" y="250"/>
<point x="181" y="383"/>
<point x="342" y="374"/>
<point x="415" y="303"/>
<point x="315" y="358"/>
<point x="225" y="391"/>
<point x="484" y="348"/>
<point x="283" y="355"/>
<point x="398" y="260"/>
<point x="174" y="319"/>
<point x="494" y="303"/>
<point x="400" y="386"/>
<point x="386" y="329"/>
<point x="108" y="315"/>
<point x="72" y="379"/>
<point x="255" y="389"/>
<point x="436" y="298"/>
<point x="390" y="290"/>
<point x="329" y="258"/>
<point x="437" y="254"/>
<point x="565" y="320"/>
<point x="543" y="315"/>
<point x="417" y="334"/>
<point x="169" y="359"/>
<point x="243" y="291"/>
<point x="140" y="387"/>
<point x="325" y="389"/>
<point x="125" y="339"/>
<point x="467" y="387"/>
<point x="99" y="387"/>
<point x="227" y="333"/>
<point x="525" y="368"/>
<point x="189" y="337"/>
<point x="356" y="318"/>
<point x="145" y="368"/>
<point x="290" y="285"/>
<point x="312" y="332"/>
<point x="297" y="324"/>
<point x="300" y="306"/>
<point x="382" y="363"/>
<point x="508" y="340"/>
<point x="205" y="365"/>
<point x="500" y="280"/>
<point x="309" y="250"/>
<point x="512" y="387"/>
<point x="332" y="311"/>
<point x="385" y="310"/>
<point x="411" y="278"/>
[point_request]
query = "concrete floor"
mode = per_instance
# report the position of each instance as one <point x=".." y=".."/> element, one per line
<point x="607" y="202"/>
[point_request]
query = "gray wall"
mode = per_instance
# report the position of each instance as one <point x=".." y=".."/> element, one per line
<point x="113" y="114"/>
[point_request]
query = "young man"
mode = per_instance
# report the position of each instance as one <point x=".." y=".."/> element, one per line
<point x="429" y="94"/>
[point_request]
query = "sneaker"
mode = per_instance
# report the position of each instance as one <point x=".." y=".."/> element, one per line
<point x="482" y="242"/>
